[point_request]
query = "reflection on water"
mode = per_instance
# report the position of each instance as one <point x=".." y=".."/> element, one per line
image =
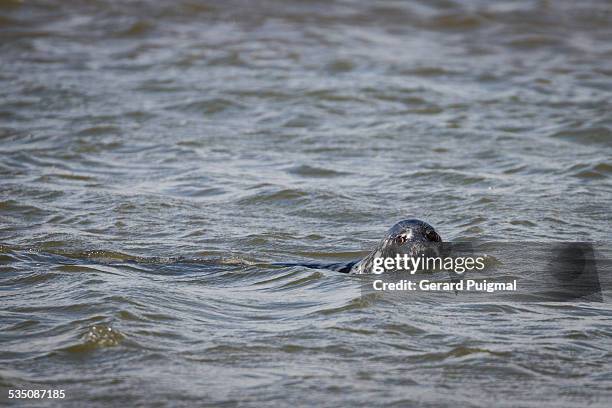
<point x="137" y="136"/>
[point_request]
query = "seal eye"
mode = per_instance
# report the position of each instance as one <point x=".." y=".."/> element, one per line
<point x="432" y="236"/>
<point x="400" y="239"/>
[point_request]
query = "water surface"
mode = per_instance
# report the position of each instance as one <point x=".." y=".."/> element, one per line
<point x="241" y="133"/>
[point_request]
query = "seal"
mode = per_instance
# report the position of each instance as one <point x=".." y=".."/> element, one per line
<point x="411" y="237"/>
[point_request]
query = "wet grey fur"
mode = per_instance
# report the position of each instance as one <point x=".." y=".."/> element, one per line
<point x="411" y="237"/>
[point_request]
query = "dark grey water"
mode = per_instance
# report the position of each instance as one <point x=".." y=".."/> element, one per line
<point x="240" y="133"/>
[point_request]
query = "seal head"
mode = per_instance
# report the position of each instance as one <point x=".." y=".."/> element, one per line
<point x="411" y="237"/>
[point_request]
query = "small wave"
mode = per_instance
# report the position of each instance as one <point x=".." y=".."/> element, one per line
<point x="97" y="336"/>
<point x="284" y="196"/>
<point x="590" y="171"/>
<point x="525" y="223"/>
<point x="592" y="135"/>
<point x="354" y="304"/>
<point x="535" y="41"/>
<point x="462" y="352"/>
<point x="101" y="130"/>
<point x="430" y="71"/>
<point x="137" y="29"/>
<point x="310" y="171"/>
<point x="205" y="106"/>
<point x="459" y="22"/>
<point x="340" y="66"/>
<point x="449" y="176"/>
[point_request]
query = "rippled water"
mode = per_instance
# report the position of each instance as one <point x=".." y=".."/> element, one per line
<point x="235" y="134"/>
